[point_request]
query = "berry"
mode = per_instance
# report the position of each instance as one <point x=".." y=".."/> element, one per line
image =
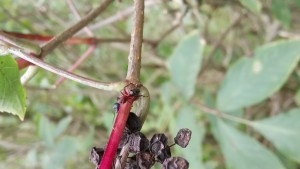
<point x="175" y="163"/>
<point x="183" y="137"/>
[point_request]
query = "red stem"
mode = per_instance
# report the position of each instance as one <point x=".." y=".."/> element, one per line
<point x="23" y="63"/>
<point x="116" y="134"/>
<point x="46" y="38"/>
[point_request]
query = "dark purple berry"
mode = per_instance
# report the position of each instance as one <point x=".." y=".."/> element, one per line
<point x="131" y="163"/>
<point x="157" y="143"/>
<point x="145" y="160"/>
<point x="133" y="123"/>
<point x="124" y="139"/>
<point x="137" y="142"/>
<point x="183" y="137"/>
<point x="156" y="147"/>
<point x="96" y="155"/>
<point x="163" y="154"/>
<point x="159" y="137"/>
<point x="175" y="163"/>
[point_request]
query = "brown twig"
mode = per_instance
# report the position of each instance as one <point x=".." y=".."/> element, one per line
<point x="175" y="25"/>
<point x="134" y="66"/>
<point x="76" y="14"/>
<point x="57" y="40"/>
<point x="119" y="16"/>
<point x="134" y="58"/>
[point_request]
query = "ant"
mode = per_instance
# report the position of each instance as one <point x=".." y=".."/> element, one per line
<point x="126" y="95"/>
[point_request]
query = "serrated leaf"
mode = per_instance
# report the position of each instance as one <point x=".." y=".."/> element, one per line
<point x="242" y="151"/>
<point x="283" y="131"/>
<point x="12" y="94"/>
<point x="281" y="11"/>
<point x="252" y="5"/>
<point x="193" y="152"/>
<point x="251" y="80"/>
<point x="185" y="62"/>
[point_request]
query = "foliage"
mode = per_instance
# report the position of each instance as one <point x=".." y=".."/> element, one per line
<point x="12" y="99"/>
<point x="236" y="86"/>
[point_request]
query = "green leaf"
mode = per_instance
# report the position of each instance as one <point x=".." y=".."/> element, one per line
<point x="281" y="11"/>
<point x="193" y="152"/>
<point x="46" y="131"/>
<point x="185" y="62"/>
<point x="251" y="80"/>
<point x="242" y="151"/>
<point x="62" y="126"/>
<point x="252" y="5"/>
<point x="283" y="131"/>
<point x="297" y="2"/>
<point x="64" y="151"/>
<point x="12" y="94"/>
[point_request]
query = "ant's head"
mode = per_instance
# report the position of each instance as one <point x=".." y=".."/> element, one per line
<point x="134" y="92"/>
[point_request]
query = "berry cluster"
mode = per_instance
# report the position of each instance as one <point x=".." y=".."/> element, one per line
<point x="144" y="152"/>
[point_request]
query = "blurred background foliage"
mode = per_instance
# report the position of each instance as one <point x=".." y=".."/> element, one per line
<point x="225" y="69"/>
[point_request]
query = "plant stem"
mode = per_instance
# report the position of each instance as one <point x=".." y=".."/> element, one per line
<point x="84" y="56"/>
<point x="134" y="58"/>
<point x="116" y="86"/>
<point x="219" y="114"/>
<point x="121" y="15"/>
<point x="57" y="40"/>
<point x="133" y="76"/>
<point x="76" y="14"/>
<point x="70" y="41"/>
<point x="116" y="134"/>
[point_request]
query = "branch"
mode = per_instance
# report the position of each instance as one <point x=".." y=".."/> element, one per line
<point x="221" y="38"/>
<point x="133" y="75"/>
<point x="57" y="40"/>
<point x="174" y="26"/>
<point x="84" y="56"/>
<point x="76" y="14"/>
<point x="70" y="41"/>
<point x="218" y="113"/>
<point x="134" y="58"/>
<point x="116" y="86"/>
<point x="119" y="16"/>
<point x="74" y="40"/>
<point x="30" y="72"/>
